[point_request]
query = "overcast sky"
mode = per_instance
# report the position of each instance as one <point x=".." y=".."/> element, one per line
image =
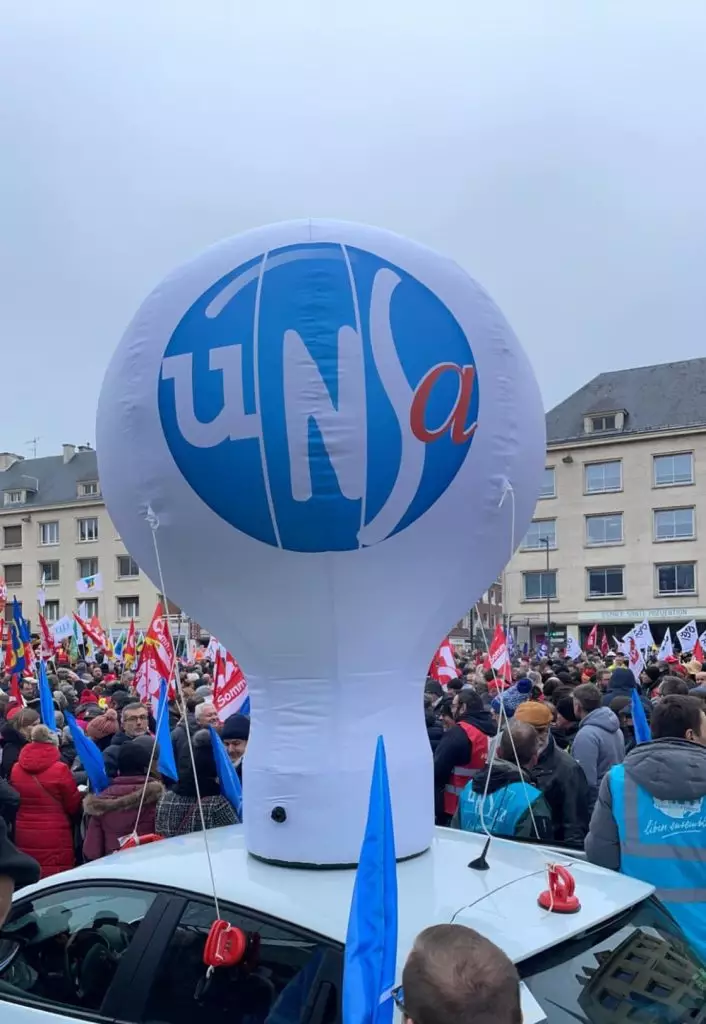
<point x="556" y="149"/>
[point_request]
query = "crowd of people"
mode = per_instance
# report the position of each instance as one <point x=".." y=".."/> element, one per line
<point x="557" y="757"/>
<point x="45" y="798"/>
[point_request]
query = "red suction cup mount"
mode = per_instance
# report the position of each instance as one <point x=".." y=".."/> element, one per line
<point x="559" y="898"/>
<point x="225" y="945"/>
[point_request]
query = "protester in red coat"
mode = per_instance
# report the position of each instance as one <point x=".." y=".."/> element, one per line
<point x="49" y="799"/>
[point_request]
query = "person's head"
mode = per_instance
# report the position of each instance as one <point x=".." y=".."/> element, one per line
<point x="454" y="975"/>
<point x="538" y="715"/>
<point x="519" y="738"/>
<point x="205" y="768"/>
<point x="587" y="698"/>
<point x="24" y="720"/>
<point x="135" y="720"/>
<point x="28" y="688"/>
<point x="206" y="714"/>
<point x="4" y="703"/>
<point x="672" y="685"/>
<point x="466" y="701"/>
<point x="43" y="734"/>
<point x="564" y="704"/>
<point x="445" y="711"/>
<point x="604" y="678"/>
<point x="235" y="735"/>
<point x="680" y="718"/>
<point x="97" y="673"/>
<point x="134" y="758"/>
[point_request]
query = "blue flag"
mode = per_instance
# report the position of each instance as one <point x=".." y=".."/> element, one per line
<point x="371" y="942"/>
<point x="46" y="701"/>
<point x="165" y="762"/>
<point x="227" y="775"/>
<point x="639" y="719"/>
<point x="245" y="709"/>
<point x="89" y="754"/>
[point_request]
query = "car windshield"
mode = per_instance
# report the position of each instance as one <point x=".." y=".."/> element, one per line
<point x="637" y="968"/>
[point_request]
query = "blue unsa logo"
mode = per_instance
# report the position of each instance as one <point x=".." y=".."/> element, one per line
<point x="318" y="398"/>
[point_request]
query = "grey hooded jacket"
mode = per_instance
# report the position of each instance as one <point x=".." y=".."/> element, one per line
<point x="598" y="745"/>
<point x="668" y="769"/>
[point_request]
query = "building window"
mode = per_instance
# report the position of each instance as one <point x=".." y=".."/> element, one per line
<point x="540" y="531"/>
<point x="14" y="497"/>
<point x="127" y="567"/>
<point x="548" y="483"/>
<point x="88" y="608"/>
<point x="49" y="572"/>
<point x="605" y="582"/>
<point x="12" y="536"/>
<point x="600" y="423"/>
<point x="87" y="567"/>
<point x="87" y="529"/>
<point x="88" y="488"/>
<point x="679" y="578"/>
<point x="49" y="533"/>
<point x="674" y="524"/>
<point x="128" y="607"/>
<point x="602" y="477"/>
<point x="51" y="611"/>
<point x="604" y="529"/>
<point x="538" y="586"/>
<point x="13" y="574"/>
<point x="672" y="470"/>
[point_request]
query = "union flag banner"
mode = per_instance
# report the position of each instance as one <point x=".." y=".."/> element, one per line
<point x="230" y="689"/>
<point x="443" y="666"/>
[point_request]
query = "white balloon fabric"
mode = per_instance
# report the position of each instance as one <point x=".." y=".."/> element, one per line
<point x="323" y="419"/>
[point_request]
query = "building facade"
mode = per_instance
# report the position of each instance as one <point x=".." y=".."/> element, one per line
<point x="615" y="534"/>
<point x="54" y="526"/>
<point x="483" y="618"/>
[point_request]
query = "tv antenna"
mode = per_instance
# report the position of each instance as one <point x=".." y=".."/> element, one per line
<point x="32" y="443"/>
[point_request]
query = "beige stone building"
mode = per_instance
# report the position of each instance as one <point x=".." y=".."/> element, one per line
<point x="54" y="524"/>
<point x="615" y="536"/>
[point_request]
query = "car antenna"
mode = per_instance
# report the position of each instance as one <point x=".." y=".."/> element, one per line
<point x="481" y="863"/>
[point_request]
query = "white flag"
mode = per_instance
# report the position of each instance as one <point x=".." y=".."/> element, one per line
<point x="63" y="629"/>
<point x="636" y="661"/>
<point x="643" y="636"/>
<point x="573" y="650"/>
<point x="90" y="583"/>
<point x="687" y="636"/>
<point x="624" y="644"/>
<point x="666" y="649"/>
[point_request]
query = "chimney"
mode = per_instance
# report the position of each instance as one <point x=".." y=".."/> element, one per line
<point x="69" y="452"/>
<point x="7" y="459"/>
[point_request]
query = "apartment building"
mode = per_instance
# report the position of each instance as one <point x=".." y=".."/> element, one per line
<point x="54" y="525"/>
<point x="484" y="617"/>
<point x="615" y="534"/>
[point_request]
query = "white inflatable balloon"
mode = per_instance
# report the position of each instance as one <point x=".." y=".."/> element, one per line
<point x="324" y="418"/>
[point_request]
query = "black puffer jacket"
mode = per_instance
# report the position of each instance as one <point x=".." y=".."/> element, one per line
<point x="11" y="743"/>
<point x="564" y="785"/>
<point x="435" y="730"/>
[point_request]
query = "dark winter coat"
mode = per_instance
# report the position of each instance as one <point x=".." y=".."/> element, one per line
<point x="506" y="797"/>
<point x="564" y="738"/>
<point x="112" y="814"/>
<point x="177" y="814"/>
<point x="435" y="730"/>
<point x="12" y="743"/>
<point x="110" y="754"/>
<point x="454" y="749"/>
<point x="179" y="735"/>
<point x="49" y="799"/>
<point x="564" y="785"/>
<point x="9" y="804"/>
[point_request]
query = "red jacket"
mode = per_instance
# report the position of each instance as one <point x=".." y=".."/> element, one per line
<point x="112" y="814"/>
<point x="49" y="798"/>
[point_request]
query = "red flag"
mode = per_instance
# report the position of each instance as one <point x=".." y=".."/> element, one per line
<point x="230" y="690"/>
<point x="88" y="630"/>
<point x="130" y="648"/>
<point x="697" y="653"/>
<point x="48" y="646"/>
<point x="443" y="665"/>
<point x="499" y="656"/>
<point x="15" y="695"/>
<point x="591" y="639"/>
<point x="156" y="658"/>
<point x="605" y="646"/>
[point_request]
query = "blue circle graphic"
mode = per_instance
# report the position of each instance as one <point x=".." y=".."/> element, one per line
<point x="279" y="413"/>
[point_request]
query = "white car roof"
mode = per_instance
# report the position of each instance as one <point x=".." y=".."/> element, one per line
<point x="436" y="887"/>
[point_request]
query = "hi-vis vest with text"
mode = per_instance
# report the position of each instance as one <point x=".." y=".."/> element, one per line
<point x="663" y="842"/>
<point x="462" y="773"/>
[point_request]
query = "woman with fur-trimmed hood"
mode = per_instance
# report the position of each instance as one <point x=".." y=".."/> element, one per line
<point x="112" y="814"/>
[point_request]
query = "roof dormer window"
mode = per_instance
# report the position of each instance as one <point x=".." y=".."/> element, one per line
<point x="14" y="497"/>
<point x="603" y="422"/>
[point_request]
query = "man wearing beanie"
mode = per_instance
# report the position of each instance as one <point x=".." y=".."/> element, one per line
<point x="558" y="776"/>
<point x="513" y="697"/>
<point x="235" y="735"/>
<point x="567" y="724"/>
<point x="621" y="684"/>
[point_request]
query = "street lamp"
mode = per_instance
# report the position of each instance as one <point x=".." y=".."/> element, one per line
<point x="545" y="540"/>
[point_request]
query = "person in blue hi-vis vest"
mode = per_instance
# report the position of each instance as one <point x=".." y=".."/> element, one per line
<point x="650" y="818"/>
<point x="512" y="806"/>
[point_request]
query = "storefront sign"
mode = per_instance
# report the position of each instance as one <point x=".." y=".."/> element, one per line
<point x="639" y="614"/>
